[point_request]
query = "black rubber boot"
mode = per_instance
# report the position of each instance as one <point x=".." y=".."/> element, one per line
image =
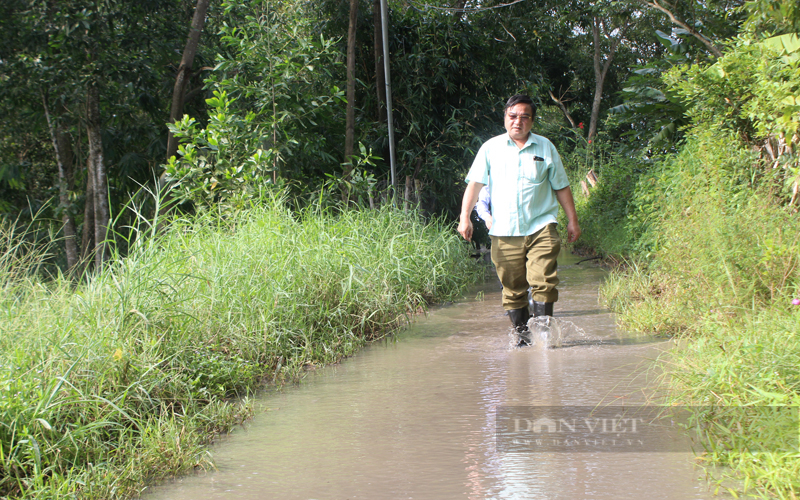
<point x="541" y="308"/>
<point x="519" y="318"/>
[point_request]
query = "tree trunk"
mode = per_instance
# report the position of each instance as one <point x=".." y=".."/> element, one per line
<point x="350" y="126"/>
<point x="598" y="96"/>
<point x="407" y="193"/>
<point x="592" y="178"/>
<point x="184" y="71"/>
<point x="65" y="184"/>
<point x="87" y="239"/>
<point x="380" y="81"/>
<point x="601" y="72"/>
<point x="458" y="13"/>
<point x="70" y="232"/>
<point x="97" y="170"/>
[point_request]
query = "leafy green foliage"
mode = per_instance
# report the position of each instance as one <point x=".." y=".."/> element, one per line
<point x="778" y="87"/>
<point x="279" y="64"/>
<point x="440" y="69"/>
<point x="652" y="114"/>
<point x="221" y="164"/>
<point x="750" y="92"/>
<point x="279" y="71"/>
<point x="271" y="120"/>
<point x="747" y="91"/>
<point x="773" y="16"/>
<point x="360" y="185"/>
<point x="51" y="51"/>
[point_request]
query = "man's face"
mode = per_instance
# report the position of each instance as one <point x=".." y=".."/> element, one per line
<point x="518" y="121"/>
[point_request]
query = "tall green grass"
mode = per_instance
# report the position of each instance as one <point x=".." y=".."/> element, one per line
<point x="714" y="259"/>
<point x="747" y="370"/>
<point x="125" y="378"/>
<point x="724" y="280"/>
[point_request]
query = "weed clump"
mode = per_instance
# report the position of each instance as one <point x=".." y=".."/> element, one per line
<point x="125" y="378"/>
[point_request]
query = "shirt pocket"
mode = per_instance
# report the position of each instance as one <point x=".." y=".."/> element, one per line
<point x="534" y="170"/>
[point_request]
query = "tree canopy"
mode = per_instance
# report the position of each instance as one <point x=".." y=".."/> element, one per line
<point x="265" y="101"/>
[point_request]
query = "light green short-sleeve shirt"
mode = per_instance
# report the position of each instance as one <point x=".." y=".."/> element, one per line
<point x="522" y="183"/>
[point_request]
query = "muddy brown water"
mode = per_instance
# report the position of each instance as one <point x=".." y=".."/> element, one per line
<point x="413" y="417"/>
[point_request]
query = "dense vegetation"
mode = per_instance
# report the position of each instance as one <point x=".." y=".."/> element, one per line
<point x="711" y="239"/>
<point x="125" y="378"/>
<point x="687" y="113"/>
<point x="86" y="94"/>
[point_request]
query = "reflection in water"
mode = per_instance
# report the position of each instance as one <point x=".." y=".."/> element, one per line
<point x="414" y="417"/>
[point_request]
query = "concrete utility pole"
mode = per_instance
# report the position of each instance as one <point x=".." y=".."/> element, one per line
<point x="389" y="122"/>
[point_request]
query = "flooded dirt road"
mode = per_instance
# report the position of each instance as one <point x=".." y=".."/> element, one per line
<point x="414" y="417"/>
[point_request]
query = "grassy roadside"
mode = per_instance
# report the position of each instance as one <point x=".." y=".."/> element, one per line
<point x="706" y="228"/>
<point x="125" y="379"/>
<point x="724" y="283"/>
<point x="716" y="264"/>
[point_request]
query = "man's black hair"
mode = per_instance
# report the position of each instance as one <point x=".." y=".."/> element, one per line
<point x="520" y="99"/>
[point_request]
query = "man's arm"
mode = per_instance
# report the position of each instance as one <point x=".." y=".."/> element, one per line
<point x="568" y="204"/>
<point x="467" y="204"/>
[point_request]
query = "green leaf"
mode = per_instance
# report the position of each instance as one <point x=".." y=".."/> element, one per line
<point x="715" y="71"/>
<point x="771" y="396"/>
<point x="788" y="43"/>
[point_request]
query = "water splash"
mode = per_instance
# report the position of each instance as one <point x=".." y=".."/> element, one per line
<point x="546" y="331"/>
<point x="553" y="333"/>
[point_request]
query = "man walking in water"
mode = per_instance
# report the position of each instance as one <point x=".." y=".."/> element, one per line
<point x="528" y="182"/>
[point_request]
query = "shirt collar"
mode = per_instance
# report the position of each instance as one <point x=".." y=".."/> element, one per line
<point x="531" y="140"/>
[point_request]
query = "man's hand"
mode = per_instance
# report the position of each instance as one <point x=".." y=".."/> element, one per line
<point x="568" y="204"/>
<point x="467" y="204"/>
<point x="573" y="232"/>
<point x="465" y="228"/>
<point x="489" y="223"/>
